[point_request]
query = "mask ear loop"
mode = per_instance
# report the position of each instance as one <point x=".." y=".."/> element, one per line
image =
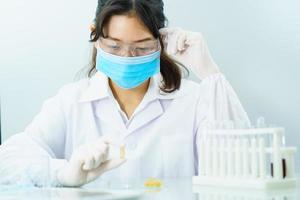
<point x="97" y="45"/>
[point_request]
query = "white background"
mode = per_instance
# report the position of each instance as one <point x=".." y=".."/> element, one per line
<point x="256" y="43"/>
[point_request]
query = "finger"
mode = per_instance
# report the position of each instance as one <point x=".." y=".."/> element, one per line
<point x="100" y="146"/>
<point x="97" y="156"/>
<point x="195" y="37"/>
<point x="173" y="41"/>
<point x="79" y="155"/>
<point x="112" y="141"/>
<point x="181" y="42"/>
<point x="170" y="37"/>
<point x="89" y="161"/>
<point x="108" y="165"/>
<point x="165" y="31"/>
<point x="100" y="154"/>
<point x="164" y="35"/>
<point x="105" y="154"/>
<point x="168" y="30"/>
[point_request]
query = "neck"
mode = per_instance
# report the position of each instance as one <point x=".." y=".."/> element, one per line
<point x="129" y="97"/>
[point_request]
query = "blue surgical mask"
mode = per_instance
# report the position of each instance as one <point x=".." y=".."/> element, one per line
<point x="128" y="72"/>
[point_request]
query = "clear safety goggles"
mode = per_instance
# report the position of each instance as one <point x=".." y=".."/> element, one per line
<point x="133" y="49"/>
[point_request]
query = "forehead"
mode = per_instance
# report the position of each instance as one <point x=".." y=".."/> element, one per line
<point x="127" y="28"/>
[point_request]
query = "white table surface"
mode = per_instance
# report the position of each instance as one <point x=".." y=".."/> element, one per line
<point x="171" y="190"/>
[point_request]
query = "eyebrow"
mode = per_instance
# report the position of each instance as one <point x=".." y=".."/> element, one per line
<point x="142" y="40"/>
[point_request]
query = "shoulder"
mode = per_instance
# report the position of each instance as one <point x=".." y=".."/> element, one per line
<point x="189" y="87"/>
<point x="70" y="93"/>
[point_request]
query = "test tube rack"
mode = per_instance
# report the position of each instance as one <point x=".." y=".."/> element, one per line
<point x="212" y="193"/>
<point x="246" y="158"/>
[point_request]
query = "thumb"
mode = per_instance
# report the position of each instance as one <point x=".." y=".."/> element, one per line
<point x="105" y="166"/>
<point x="110" y="164"/>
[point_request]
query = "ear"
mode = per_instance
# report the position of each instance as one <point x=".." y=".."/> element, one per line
<point x="92" y="27"/>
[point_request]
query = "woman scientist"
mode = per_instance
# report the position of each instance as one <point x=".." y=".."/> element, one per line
<point x="135" y="94"/>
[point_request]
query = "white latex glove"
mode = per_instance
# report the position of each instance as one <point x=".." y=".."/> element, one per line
<point x="190" y="49"/>
<point x="87" y="163"/>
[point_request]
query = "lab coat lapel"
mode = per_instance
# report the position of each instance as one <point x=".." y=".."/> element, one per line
<point x="150" y="108"/>
<point x="107" y="111"/>
<point x="146" y="115"/>
<point x="98" y="93"/>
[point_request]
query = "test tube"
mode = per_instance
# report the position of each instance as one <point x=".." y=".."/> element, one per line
<point x="277" y="160"/>
<point x="229" y="145"/>
<point x="222" y="154"/>
<point x="262" y="158"/>
<point x="260" y="122"/>
<point x="208" y="155"/>
<point x="254" y="163"/>
<point x="215" y="156"/>
<point x="290" y="163"/>
<point x="202" y="158"/>
<point x="246" y="170"/>
<point x="238" y="161"/>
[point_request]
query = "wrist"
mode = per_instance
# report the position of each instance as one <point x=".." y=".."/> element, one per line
<point x="56" y="167"/>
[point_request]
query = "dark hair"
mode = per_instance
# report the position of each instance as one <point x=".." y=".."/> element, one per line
<point x="150" y="12"/>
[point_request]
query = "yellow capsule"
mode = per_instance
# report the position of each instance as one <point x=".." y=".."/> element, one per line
<point x="153" y="182"/>
<point x="122" y="152"/>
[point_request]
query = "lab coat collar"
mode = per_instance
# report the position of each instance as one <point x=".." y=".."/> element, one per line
<point x="98" y="88"/>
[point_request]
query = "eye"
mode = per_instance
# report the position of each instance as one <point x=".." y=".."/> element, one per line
<point x="144" y="48"/>
<point x="113" y="47"/>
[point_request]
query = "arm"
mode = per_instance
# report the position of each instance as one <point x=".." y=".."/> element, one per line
<point x="23" y="155"/>
<point x="217" y="105"/>
<point x="42" y="139"/>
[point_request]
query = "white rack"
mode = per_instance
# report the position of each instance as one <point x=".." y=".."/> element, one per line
<point x="212" y="193"/>
<point x="247" y="158"/>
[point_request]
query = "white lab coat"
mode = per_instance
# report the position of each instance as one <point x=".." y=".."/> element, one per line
<point x="160" y="136"/>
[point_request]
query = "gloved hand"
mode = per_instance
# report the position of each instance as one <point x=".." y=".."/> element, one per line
<point x="87" y="163"/>
<point x="190" y="49"/>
